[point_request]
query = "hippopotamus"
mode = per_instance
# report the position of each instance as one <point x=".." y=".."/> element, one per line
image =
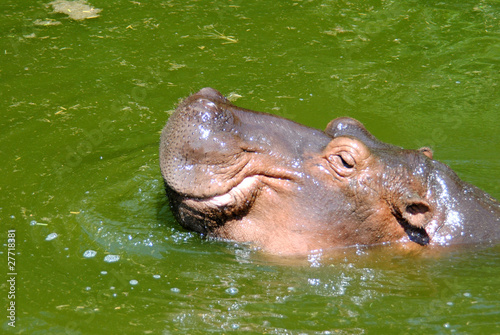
<point x="246" y="176"/>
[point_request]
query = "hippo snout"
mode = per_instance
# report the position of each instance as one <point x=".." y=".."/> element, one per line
<point x="195" y="146"/>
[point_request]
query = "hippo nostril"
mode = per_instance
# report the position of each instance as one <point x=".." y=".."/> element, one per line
<point x="417" y="212"/>
<point x="417" y="208"/>
<point x="414" y="216"/>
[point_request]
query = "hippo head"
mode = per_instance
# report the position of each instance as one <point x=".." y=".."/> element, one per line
<point x="253" y="177"/>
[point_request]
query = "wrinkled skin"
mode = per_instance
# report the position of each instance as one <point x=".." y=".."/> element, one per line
<point x="246" y="176"/>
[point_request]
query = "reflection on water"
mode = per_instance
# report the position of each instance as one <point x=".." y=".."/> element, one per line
<point x="367" y="289"/>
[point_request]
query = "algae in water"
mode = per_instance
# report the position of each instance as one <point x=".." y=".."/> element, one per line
<point x="76" y="10"/>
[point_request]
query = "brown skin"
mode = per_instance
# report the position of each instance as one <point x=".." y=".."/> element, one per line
<point x="253" y="177"/>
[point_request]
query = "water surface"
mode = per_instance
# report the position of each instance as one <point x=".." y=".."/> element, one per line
<point x="83" y="103"/>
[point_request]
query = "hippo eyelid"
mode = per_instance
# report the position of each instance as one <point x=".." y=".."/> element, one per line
<point x="342" y="163"/>
<point x="344" y="159"/>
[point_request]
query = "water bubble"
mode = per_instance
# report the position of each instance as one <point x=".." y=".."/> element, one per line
<point x="175" y="289"/>
<point x="89" y="253"/>
<point x="111" y="258"/>
<point x="88" y="288"/>
<point x="314" y="281"/>
<point x="232" y="290"/>
<point x="33" y="223"/>
<point x="51" y="236"/>
<point x="156" y="276"/>
<point x="315" y="258"/>
<point x="467" y="294"/>
<point x="360" y="252"/>
<point x="235" y="326"/>
<point x="104" y="272"/>
<point x="133" y="282"/>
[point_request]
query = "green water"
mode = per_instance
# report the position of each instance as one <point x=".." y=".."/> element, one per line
<point x="82" y="104"/>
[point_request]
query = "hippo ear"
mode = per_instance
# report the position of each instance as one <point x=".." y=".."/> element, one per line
<point x="426" y="151"/>
<point x="345" y="154"/>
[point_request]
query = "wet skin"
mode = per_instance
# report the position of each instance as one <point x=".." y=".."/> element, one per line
<point x="246" y="176"/>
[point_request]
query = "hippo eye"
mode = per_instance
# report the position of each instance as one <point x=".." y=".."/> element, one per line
<point x="347" y="160"/>
<point x="343" y="159"/>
